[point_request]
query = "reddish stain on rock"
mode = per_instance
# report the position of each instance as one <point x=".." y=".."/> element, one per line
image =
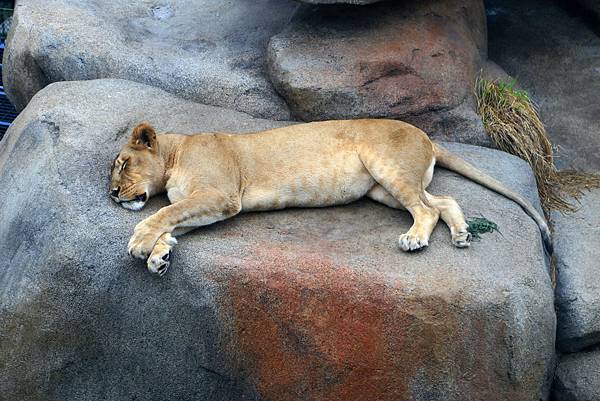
<point x="311" y="328"/>
<point x="307" y="327"/>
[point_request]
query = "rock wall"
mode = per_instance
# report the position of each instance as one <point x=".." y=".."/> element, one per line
<point x="578" y="301"/>
<point x="558" y="66"/>
<point x="209" y="51"/>
<point x="578" y="377"/>
<point x="399" y="59"/>
<point x="411" y="60"/>
<point x="578" y="287"/>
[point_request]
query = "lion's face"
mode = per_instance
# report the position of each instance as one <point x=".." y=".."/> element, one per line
<point x="138" y="170"/>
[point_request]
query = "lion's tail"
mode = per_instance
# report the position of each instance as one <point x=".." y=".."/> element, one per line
<point x="452" y="162"/>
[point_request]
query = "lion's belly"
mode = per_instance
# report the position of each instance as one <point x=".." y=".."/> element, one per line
<point x="307" y="186"/>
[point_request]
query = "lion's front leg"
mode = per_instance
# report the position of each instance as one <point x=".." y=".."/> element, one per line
<point x="145" y="235"/>
<point x="150" y="239"/>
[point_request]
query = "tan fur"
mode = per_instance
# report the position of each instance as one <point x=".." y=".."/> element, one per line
<point x="211" y="177"/>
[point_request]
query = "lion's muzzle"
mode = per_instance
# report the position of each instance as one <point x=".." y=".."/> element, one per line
<point x="136" y="203"/>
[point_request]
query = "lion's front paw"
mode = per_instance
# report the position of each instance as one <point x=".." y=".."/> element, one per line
<point x="160" y="258"/>
<point x="142" y="242"/>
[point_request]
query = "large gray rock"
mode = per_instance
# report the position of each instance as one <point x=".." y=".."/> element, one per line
<point x="577" y="251"/>
<point x="307" y="304"/>
<point x="578" y="377"/>
<point x="411" y="60"/>
<point x="559" y="65"/>
<point x="209" y="51"/>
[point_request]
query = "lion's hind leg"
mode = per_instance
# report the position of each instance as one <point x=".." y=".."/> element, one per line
<point x="425" y="218"/>
<point x="379" y="194"/>
<point x="452" y="215"/>
<point x="449" y="211"/>
<point x="405" y="186"/>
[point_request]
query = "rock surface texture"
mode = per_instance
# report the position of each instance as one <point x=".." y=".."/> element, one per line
<point x="209" y="51"/>
<point x="355" y="2"/>
<point x="311" y="304"/>
<point x="394" y="59"/>
<point x="559" y="65"/>
<point x="578" y="286"/>
<point x="411" y="60"/>
<point x="578" y="377"/>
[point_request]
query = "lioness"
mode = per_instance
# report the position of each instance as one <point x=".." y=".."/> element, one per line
<point x="212" y="176"/>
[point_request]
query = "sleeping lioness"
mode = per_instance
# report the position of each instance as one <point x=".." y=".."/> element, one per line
<point x="211" y="177"/>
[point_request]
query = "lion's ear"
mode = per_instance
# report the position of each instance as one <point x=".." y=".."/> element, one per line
<point x="144" y="134"/>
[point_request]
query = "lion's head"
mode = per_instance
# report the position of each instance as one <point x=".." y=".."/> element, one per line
<point x="138" y="170"/>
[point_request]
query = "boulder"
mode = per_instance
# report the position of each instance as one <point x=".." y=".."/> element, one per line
<point x="578" y="377"/>
<point x="411" y="60"/>
<point x="559" y="65"/>
<point x="576" y="239"/>
<point x="209" y="51"/>
<point x="312" y="304"/>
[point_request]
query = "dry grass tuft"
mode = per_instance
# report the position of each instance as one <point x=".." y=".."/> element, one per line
<point x="511" y="119"/>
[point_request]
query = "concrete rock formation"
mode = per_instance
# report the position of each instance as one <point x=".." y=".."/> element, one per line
<point x="411" y="60"/>
<point x="296" y="304"/>
<point x="577" y="251"/>
<point x="209" y="51"/>
<point x="578" y="377"/>
<point x="407" y="60"/>
<point x="559" y="66"/>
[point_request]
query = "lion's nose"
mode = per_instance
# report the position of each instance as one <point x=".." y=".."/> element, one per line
<point x="115" y="192"/>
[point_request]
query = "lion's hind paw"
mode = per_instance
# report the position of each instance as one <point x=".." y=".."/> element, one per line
<point x="409" y="242"/>
<point x="462" y="239"/>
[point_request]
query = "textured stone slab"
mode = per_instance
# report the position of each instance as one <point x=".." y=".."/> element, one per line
<point x="411" y="60"/>
<point x="315" y="304"/>
<point x="578" y="377"/>
<point x="559" y="65"/>
<point x="577" y="250"/>
<point x="209" y="51"/>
